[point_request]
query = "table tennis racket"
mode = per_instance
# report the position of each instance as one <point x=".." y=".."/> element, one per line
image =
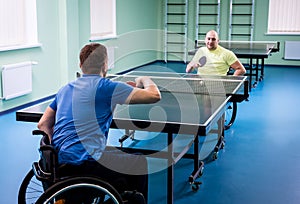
<point x="202" y="61"/>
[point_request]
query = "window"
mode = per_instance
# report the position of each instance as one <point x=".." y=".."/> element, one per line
<point x="284" y="17"/>
<point x="103" y="19"/>
<point x="18" y="24"/>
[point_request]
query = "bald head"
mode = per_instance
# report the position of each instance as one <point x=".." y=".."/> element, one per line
<point x="212" y="40"/>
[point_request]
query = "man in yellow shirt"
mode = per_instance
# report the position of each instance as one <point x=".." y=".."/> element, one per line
<point x="215" y="59"/>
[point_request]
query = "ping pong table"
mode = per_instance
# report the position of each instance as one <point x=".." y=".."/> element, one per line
<point x="251" y="50"/>
<point x="190" y="105"/>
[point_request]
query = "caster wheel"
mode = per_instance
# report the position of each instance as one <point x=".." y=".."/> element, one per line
<point x="215" y="156"/>
<point x="222" y="145"/>
<point x="195" y="186"/>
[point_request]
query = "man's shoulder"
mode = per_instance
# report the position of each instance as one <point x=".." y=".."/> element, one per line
<point x="202" y="50"/>
<point x="225" y="50"/>
<point x="220" y="47"/>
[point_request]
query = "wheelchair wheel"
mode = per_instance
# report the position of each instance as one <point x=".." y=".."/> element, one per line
<point x="30" y="190"/>
<point x="81" y="190"/>
<point x="230" y="114"/>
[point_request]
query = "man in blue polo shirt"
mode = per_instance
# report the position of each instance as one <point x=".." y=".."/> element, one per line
<point x="79" y="118"/>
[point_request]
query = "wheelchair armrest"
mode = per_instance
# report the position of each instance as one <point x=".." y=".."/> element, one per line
<point x="45" y="139"/>
<point x="39" y="132"/>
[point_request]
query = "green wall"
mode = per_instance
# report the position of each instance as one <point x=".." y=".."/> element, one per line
<point x="261" y="25"/>
<point x="137" y="35"/>
<point x="260" y="29"/>
<point x="63" y="27"/>
<point x="46" y="74"/>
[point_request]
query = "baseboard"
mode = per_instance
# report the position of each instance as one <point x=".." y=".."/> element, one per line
<point x="27" y="105"/>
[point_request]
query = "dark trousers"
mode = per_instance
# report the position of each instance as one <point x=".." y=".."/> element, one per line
<point x="124" y="171"/>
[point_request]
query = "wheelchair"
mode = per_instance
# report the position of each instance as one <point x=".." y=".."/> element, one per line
<point x="231" y="107"/>
<point x="230" y="114"/>
<point x="43" y="184"/>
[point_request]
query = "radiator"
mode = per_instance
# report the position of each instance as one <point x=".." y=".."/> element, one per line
<point x="292" y="50"/>
<point x="16" y="79"/>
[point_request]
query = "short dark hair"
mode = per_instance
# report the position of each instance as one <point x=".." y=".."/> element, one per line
<point x="93" y="57"/>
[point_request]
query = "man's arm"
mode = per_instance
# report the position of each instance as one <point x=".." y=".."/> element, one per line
<point x="145" y="91"/>
<point x="239" y="68"/>
<point x="47" y="121"/>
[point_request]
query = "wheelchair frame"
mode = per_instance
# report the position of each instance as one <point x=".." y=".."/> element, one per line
<point x="42" y="183"/>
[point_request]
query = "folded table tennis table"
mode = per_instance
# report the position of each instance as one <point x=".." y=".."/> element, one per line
<point x="190" y="105"/>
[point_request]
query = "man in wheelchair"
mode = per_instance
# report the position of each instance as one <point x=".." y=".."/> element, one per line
<point x="78" y="120"/>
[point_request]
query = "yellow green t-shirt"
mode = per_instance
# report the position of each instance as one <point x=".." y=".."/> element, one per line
<point x="217" y="61"/>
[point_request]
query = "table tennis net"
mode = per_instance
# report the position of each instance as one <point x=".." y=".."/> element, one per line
<point x="192" y="85"/>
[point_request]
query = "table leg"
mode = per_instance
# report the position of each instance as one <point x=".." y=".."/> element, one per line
<point x="170" y="177"/>
<point x="262" y="69"/>
<point x="221" y="137"/>
<point x="256" y="72"/>
<point x="198" y="166"/>
<point x="250" y="74"/>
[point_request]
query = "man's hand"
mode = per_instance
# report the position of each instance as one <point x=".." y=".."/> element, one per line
<point x="192" y="65"/>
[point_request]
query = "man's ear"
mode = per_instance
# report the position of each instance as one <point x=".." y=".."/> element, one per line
<point x="104" y="69"/>
<point x="103" y="72"/>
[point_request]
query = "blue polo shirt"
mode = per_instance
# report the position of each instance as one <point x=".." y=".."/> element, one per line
<point x="83" y="116"/>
